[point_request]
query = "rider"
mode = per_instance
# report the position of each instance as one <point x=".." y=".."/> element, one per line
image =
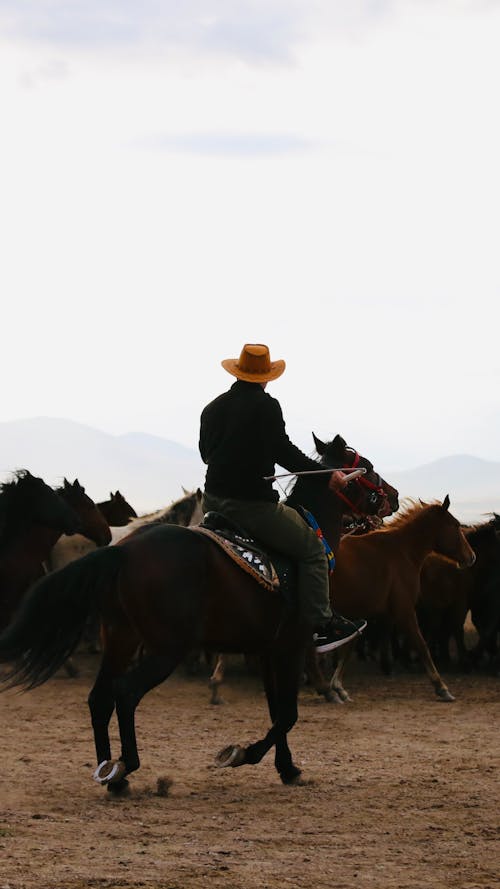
<point x="242" y="436"/>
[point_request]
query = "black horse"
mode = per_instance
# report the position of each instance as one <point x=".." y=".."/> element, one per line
<point x="161" y="593"/>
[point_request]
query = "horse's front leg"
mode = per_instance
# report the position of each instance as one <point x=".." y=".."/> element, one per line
<point x="409" y="625"/>
<point x="281" y="673"/>
<point x="274" y="685"/>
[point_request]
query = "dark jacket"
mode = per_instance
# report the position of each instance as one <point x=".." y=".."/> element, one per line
<point x="242" y="436"/>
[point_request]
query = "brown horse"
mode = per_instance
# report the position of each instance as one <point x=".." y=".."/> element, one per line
<point x="32" y="518"/>
<point x="116" y="510"/>
<point x="159" y="594"/>
<point x="379" y="574"/>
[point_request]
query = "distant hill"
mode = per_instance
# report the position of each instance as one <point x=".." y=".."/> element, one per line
<point x="473" y="484"/>
<point x="151" y="470"/>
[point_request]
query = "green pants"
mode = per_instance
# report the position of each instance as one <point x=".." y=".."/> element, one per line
<point x="282" y="528"/>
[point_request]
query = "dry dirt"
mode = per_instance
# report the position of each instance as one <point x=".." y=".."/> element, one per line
<point x="402" y="791"/>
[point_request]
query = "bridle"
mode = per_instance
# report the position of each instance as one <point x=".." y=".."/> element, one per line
<point x="376" y="495"/>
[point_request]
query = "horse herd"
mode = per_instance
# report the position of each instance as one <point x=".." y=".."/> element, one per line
<point x="162" y="590"/>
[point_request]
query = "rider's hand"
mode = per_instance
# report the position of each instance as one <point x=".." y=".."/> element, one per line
<point x="337" y="481"/>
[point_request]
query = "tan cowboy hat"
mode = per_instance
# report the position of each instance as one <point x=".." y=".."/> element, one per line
<point x="254" y="365"/>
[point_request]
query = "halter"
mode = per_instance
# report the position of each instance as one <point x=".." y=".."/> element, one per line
<point x="362" y="482"/>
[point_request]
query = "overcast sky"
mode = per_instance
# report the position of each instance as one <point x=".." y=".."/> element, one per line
<point x="177" y="179"/>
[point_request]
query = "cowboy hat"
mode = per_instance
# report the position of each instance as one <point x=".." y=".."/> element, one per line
<point x="254" y="365"/>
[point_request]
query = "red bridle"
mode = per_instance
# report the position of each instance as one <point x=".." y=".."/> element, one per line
<point x="363" y="482"/>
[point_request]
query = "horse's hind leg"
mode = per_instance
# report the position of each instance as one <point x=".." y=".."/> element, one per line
<point x="129" y="689"/>
<point x="101" y="702"/>
<point x="316" y="676"/>
<point x="343" y="656"/>
<point x="216" y="680"/>
<point x="120" y="645"/>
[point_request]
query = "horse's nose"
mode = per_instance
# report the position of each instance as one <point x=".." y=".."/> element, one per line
<point x="468" y="561"/>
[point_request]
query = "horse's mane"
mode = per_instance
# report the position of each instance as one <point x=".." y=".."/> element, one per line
<point x="168" y="514"/>
<point x="19" y="476"/>
<point x="297" y="491"/>
<point x="8" y="499"/>
<point x="481" y="530"/>
<point x="408" y="511"/>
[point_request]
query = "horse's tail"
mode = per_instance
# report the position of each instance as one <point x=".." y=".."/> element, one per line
<point x="50" y="621"/>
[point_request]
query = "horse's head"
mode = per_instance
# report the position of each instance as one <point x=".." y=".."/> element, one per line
<point x="368" y="495"/>
<point x="187" y="510"/>
<point x="485" y="541"/>
<point x="32" y="502"/>
<point x="450" y="539"/>
<point x="121" y="506"/>
<point x="92" y="522"/>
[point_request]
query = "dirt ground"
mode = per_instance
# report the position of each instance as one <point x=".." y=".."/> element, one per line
<point x="402" y="790"/>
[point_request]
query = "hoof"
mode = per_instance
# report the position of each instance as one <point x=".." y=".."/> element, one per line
<point x="118" y="788"/>
<point x="444" y="695"/>
<point x="109" y="772"/>
<point x="293" y="777"/>
<point x="71" y="671"/>
<point x="342" y="694"/>
<point x="333" y="697"/>
<point x="233" y="756"/>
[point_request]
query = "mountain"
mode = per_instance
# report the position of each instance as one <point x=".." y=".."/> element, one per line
<point x="150" y="471"/>
<point x="473" y="484"/>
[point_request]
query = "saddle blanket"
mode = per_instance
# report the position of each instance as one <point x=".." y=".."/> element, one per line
<point x="245" y="552"/>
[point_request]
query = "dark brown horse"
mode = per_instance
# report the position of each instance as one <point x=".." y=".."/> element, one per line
<point x="32" y="518"/>
<point x="116" y="510"/>
<point x="447" y="594"/>
<point x="159" y="594"/>
<point x="93" y="524"/>
<point x="379" y="574"/>
<point x="94" y="529"/>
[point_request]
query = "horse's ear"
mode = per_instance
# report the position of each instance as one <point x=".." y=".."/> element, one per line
<point x="77" y="485"/>
<point x="446" y="502"/>
<point x="199" y="493"/>
<point x="319" y="445"/>
<point x="66" y="483"/>
<point x="111" y="495"/>
<point x="337" y="447"/>
<point x="184" y="491"/>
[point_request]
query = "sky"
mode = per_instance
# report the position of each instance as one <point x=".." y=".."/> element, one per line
<point x="318" y="175"/>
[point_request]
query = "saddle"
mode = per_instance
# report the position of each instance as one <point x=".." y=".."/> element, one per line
<point x="270" y="569"/>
